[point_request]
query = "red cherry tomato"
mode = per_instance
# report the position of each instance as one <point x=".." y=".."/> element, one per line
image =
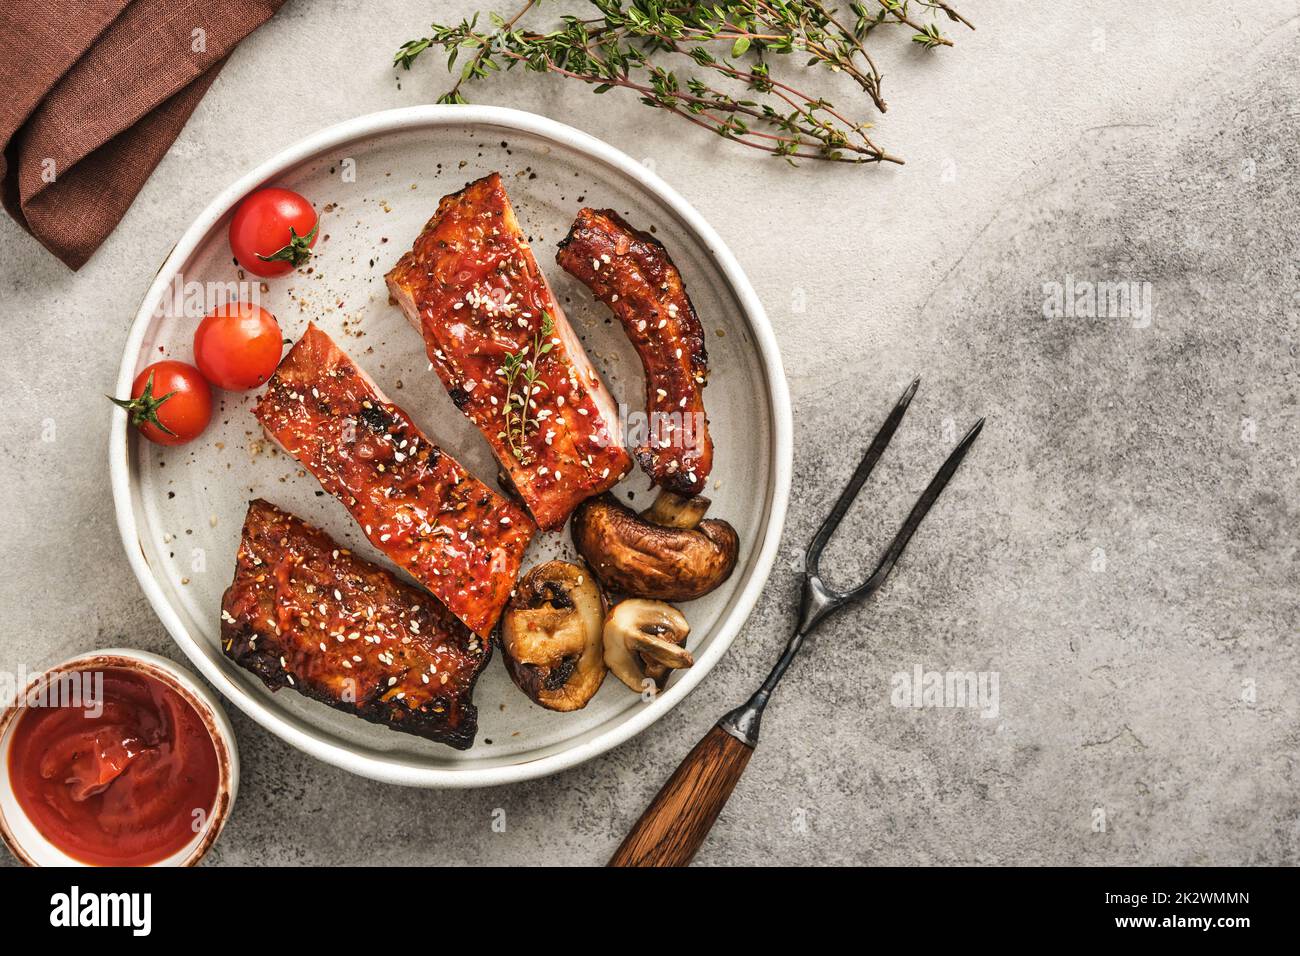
<point x="238" y="346"/>
<point x="171" y="403"/>
<point x="273" y="231"/>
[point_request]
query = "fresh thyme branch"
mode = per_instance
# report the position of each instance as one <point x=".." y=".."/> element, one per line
<point x="519" y="372"/>
<point x="710" y="64"/>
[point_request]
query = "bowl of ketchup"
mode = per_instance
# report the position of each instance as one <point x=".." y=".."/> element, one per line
<point x="115" y="758"/>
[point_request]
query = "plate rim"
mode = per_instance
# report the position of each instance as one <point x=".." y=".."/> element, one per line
<point x="778" y="398"/>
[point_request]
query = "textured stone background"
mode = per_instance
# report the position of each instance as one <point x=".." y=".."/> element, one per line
<point x="1120" y="547"/>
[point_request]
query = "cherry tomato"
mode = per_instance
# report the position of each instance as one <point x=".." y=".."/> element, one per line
<point x="238" y="346"/>
<point x="171" y="403"/>
<point x="273" y="231"/>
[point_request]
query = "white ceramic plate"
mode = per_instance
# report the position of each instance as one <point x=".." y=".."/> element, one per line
<point x="376" y="180"/>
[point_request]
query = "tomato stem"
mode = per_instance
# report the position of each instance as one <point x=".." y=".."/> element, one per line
<point x="144" y="409"/>
<point x="297" y="251"/>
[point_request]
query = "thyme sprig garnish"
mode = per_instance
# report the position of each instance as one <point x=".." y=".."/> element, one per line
<point x="707" y="63"/>
<point x="523" y="381"/>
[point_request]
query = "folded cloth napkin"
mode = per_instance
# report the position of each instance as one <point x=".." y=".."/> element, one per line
<point x="94" y="93"/>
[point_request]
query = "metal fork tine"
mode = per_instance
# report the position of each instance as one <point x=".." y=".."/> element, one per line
<point x="818" y="600"/>
<point x="917" y="514"/>
<point x="812" y="556"/>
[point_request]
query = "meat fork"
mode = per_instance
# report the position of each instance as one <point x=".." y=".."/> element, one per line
<point x="682" y="813"/>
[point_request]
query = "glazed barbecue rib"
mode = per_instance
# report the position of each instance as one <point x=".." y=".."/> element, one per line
<point x="416" y="504"/>
<point x="630" y="272"/>
<point x="305" y="613"/>
<point x="493" y="331"/>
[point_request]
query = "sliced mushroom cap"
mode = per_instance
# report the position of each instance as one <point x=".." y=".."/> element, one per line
<point x="645" y="640"/>
<point x="551" y="636"/>
<point x="638" y="557"/>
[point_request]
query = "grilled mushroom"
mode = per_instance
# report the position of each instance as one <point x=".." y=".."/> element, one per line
<point x="667" y="553"/>
<point x="645" y="640"/>
<point x="551" y="636"/>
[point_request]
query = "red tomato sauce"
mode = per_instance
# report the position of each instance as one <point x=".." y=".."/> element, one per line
<point x="128" y="786"/>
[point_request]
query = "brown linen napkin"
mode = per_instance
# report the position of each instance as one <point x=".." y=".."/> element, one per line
<point x="92" y="94"/>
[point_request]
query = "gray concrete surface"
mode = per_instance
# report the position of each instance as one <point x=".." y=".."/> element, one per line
<point x="1120" y="549"/>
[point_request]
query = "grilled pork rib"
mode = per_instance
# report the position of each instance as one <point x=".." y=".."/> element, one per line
<point x="630" y="272"/>
<point x="472" y="288"/>
<point x="416" y="504"/>
<point x="305" y="613"/>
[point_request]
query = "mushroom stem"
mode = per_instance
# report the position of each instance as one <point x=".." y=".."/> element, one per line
<point x="671" y="510"/>
<point x="655" y="648"/>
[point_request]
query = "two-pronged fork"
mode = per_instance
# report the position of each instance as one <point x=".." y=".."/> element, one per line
<point x="682" y="813"/>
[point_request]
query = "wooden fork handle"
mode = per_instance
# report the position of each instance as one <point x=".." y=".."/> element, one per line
<point x="682" y="813"/>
